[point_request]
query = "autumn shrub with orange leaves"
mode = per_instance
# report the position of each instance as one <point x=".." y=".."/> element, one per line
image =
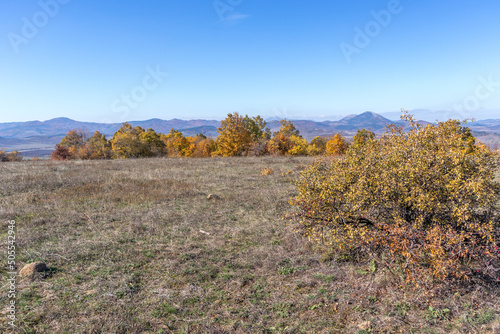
<point x="421" y="202"/>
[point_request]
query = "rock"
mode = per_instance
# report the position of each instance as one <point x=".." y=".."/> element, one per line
<point x="31" y="269"/>
<point x="191" y="290"/>
<point x="365" y="325"/>
<point x="212" y="196"/>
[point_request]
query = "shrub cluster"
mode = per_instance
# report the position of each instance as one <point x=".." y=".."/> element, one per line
<point x="421" y="202"/>
<point x="10" y="156"/>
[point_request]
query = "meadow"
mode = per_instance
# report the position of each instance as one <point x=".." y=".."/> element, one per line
<point x="135" y="246"/>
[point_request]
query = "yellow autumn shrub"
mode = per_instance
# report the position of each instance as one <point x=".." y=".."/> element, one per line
<point x="421" y="202"/>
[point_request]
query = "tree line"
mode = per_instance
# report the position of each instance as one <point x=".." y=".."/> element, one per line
<point x="238" y="136"/>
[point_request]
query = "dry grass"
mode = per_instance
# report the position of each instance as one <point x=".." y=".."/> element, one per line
<point x="134" y="246"/>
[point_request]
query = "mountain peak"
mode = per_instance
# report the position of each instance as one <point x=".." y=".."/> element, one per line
<point x="60" y="119"/>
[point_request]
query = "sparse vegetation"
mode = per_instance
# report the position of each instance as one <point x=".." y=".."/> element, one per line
<point x="13" y="156"/>
<point x="123" y="242"/>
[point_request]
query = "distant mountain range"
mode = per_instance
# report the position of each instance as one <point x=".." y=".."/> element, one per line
<point x="37" y="138"/>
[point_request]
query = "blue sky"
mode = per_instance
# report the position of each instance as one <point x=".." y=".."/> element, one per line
<point x="113" y="61"/>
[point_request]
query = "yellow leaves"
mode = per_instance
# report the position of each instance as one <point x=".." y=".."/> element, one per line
<point x="134" y="142"/>
<point x="11" y="156"/>
<point x="317" y="146"/>
<point x="77" y="145"/>
<point x="280" y="144"/>
<point x="337" y="145"/>
<point x="299" y="146"/>
<point x="266" y="171"/>
<point x="287" y="129"/>
<point x="234" y="137"/>
<point x="420" y="195"/>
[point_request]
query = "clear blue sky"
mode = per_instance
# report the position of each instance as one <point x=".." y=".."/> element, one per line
<point x="91" y="60"/>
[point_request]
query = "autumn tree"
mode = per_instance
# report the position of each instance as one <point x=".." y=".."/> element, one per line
<point x="317" y="146"/>
<point x="60" y="153"/>
<point x="287" y="128"/>
<point x="299" y="146"/>
<point x="176" y="144"/>
<point x="337" y="145"/>
<point x="234" y="136"/>
<point x="14" y="156"/>
<point x="74" y="142"/>
<point x="203" y="146"/>
<point x="98" y="147"/>
<point x="127" y="142"/>
<point x="282" y="142"/>
<point x="421" y="202"/>
<point x="257" y="127"/>
<point x="260" y="135"/>
<point x="152" y="144"/>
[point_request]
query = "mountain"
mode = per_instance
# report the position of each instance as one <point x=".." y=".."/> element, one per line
<point x="60" y="126"/>
<point x="37" y="138"/>
<point x="488" y="125"/>
<point x="443" y="115"/>
<point x="367" y="120"/>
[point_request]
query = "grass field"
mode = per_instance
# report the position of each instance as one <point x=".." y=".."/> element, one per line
<point x="135" y="246"/>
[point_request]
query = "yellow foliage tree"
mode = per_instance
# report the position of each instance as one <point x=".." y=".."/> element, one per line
<point x="176" y="144"/>
<point x="299" y="146"/>
<point x="317" y="146"/>
<point x="337" y="145"/>
<point x="257" y="128"/>
<point x="98" y="147"/>
<point x="282" y="142"/>
<point x="287" y="128"/>
<point x="203" y="146"/>
<point x="152" y="145"/>
<point x="74" y="142"/>
<point x="127" y="142"/>
<point x="234" y="137"/>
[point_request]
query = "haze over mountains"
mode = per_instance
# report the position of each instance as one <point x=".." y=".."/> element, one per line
<point x="37" y="138"/>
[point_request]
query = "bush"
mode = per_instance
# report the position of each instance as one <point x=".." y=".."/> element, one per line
<point x="60" y="153"/>
<point x="421" y="202"/>
<point x="14" y="156"/>
<point x="11" y="156"/>
<point x="259" y="148"/>
<point x="299" y="146"/>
